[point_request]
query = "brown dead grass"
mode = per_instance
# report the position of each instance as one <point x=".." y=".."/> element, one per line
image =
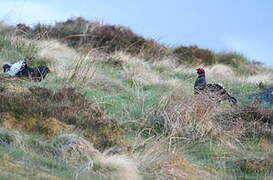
<point x="83" y="34"/>
<point x="181" y="115"/>
<point x="255" y="165"/>
<point x="221" y="72"/>
<point x="246" y="121"/>
<point x="157" y="160"/>
<point x="50" y="127"/>
<point x="78" y="151"/>
<point x="177" y="168"/>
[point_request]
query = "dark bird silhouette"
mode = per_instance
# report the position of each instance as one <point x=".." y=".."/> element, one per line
<point x="36" y="73"/>
<point x="6" y="67"/>
<point x="213" y="91"/>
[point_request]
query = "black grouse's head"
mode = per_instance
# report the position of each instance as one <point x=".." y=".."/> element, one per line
<point x="6" y="67"/>
<point x="200" y="71"/>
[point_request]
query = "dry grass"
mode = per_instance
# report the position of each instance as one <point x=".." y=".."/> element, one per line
<point x="246" y="121"/>
<point x="139" y="73"/>
<point x="199" y="119"/>
<point x="78" y="151"/>
<point x="107" y="83"/>
<point x="67" y="63"/>
<point x="190" y="118"/>
<point x="136" y="69"/>
<point x="74" y="152"/>
<point x="221" y="72"/>
<point x="177" y="116"/>
<point x="54" y="50"/>
<point x="142" y="73"/>
<point x="118" y="167"/>
<point x="157" y="160"/>
<point x="182" y="116"/>
<point x="13" y="138"/>
<point x="83" y="34"/>
<point x="81" y="71"/>
<point x="266" y="79"/>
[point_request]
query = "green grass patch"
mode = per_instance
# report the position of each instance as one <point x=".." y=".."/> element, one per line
<point x="211" y="155"/>
<point x="183" y="76"/>
<point x="240" y="90"/>
<point x="126" y="105"/>
<point x="15" y="49"/>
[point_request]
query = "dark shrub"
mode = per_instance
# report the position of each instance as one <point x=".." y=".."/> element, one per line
<point x="81" y="33"/>
<point x="193" y="55"/>
<point x="250" y="121"/>
<point x="23" y="29"/>
<point x="231" y="58"/>
<point x="116" y="38"/>
<point x="67" y="106"/>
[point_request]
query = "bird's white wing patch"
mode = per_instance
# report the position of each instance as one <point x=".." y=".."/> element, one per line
<point x="221" y="85"/>
<point x="16" y="67"/>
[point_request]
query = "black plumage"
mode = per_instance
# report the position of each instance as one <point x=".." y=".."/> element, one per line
<point x="6" y="67"/>
<point x="36" y="73"/>
<point x="213" y="91"/>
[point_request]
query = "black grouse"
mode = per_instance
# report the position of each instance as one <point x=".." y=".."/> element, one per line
<point x="213" y="91"/>
<point x="36" y="73"/>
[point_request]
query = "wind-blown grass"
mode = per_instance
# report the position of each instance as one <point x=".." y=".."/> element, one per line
<point x="168" y="132"/>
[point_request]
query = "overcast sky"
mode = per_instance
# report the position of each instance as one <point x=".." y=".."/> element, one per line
<point x="245" y="26"/>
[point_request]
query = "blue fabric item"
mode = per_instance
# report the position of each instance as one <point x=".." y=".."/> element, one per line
<point x="264" y="97"/>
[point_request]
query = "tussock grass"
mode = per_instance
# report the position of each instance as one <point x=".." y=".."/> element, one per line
<point x="266" y="79"/>
<point x="169" y="132"/>
<point x="159" y="159"/>
<point x="55" y="51"/>
<point x="221" y="72"/>
<point x="82" y="71"/>
<point x="13" y="48"/>
<point x="68" y="153"/>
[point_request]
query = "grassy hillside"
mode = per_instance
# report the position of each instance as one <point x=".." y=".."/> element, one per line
<point x="121" y="113"/>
